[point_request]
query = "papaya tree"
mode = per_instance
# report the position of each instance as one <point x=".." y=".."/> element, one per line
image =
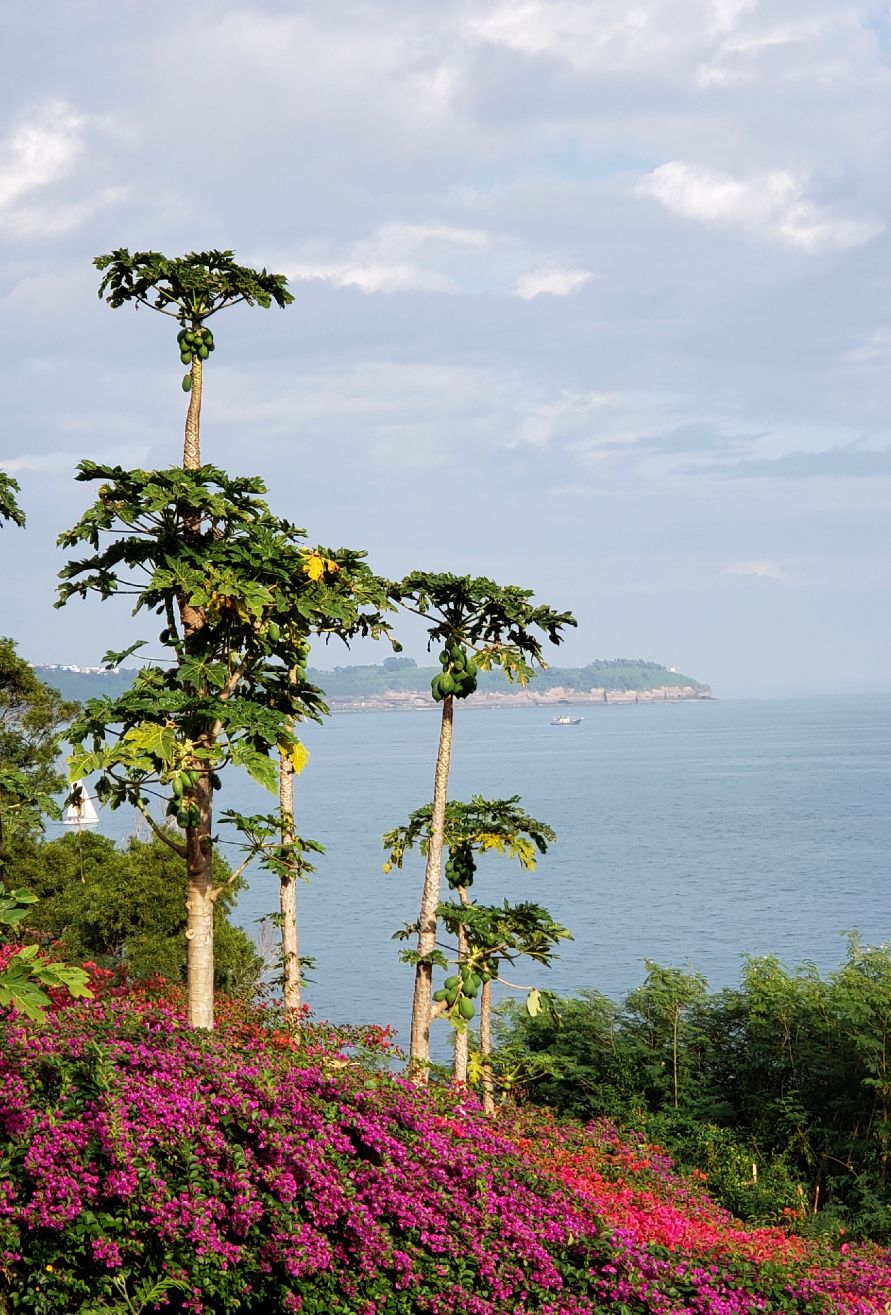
<point x="479" y="626"/>
<point x="190" y="289"/>
<point x="470" y="829"/>
<point x="238" y="591"/>
<point x="9" y="507"/>
<point x="494" y="936"/>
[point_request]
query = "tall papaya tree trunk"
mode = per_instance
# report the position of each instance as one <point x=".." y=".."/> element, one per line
<point x="486" y="1046"/>
<point x="200" y="907"/>
<point x="288" y="896"/>
<point x="192" y="441"/>
<point x="419" y="1049"/>
<point x="462" y="1036"/>
<point x="199" y="842"/>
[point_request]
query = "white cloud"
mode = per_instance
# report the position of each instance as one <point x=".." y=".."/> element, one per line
<point x="50" y="462"/>
<point x="873" y="349"/>
<point x="553" y="282"/>
<point x="726" y="13"/>
<point x="377" y="264"/>
<point x="39" y="150"/>
<point x="53" y="221"/>
<point x="764" y="570"/>
<point x="584" y="35"/>
<point x="373" y="277"/>
<point x="568" y="415"/>
<point x="771" y="206"/>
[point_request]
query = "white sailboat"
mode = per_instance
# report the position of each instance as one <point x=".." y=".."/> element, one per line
<point x="80" y="811"/>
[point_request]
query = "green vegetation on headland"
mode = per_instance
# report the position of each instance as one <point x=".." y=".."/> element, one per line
<point x="403" y="675"/>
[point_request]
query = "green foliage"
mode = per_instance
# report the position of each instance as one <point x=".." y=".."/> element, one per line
<point x="783" y="1083"/>
<point x="32" y="717"/>
<point x="489" y="936"/>
<point x="191" y="287"/>
<point x="483" y="825"/>
<point x="499" y="623"/>
<point x="127" y="906"/>
<point x="9" y="507"/>
<point x="261" y="840"/>
<point x="25" y="976"/>
<point x="239" y="592"/>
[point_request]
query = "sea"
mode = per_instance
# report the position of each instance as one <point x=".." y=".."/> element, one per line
<point x="688" y="833"/>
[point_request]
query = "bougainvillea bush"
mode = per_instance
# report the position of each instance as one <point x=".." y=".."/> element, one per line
<point x="257" y="1175"/>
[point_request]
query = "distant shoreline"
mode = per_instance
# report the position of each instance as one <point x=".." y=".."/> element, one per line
<point x="420" y="700"/>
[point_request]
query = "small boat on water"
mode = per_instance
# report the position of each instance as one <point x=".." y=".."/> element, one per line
<point x="80" y="810"/>
<point x="566" y="721"/>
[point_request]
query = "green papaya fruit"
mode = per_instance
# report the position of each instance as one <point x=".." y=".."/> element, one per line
<point x="452" y="996"/>
<point x="450" y="982"/>
<point x="176" y="785"/>
<point x="465" y="1008"/>
<point x="439" y="996"/>
<point x="215" y="782"/>
<point x="182" y="818"/>
<point x="275" y="633"/>
<point x="447" y="684"/>
<point x="190" y="338"/>
<point x="203" y="352"/>
<point x="187" y="383"/>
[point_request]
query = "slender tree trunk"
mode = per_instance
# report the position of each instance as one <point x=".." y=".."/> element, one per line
<point x="486" y="1046"/>
<point x="288" y="895"/>
<point x="462" y="1036"/>
<point x="192" y="443"/>
<point x="199" y="908"/>
<point x="199" y="840"/>
<point x="419" y="1051"/>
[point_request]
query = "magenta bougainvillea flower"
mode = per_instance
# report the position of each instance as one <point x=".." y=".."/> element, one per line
<point x="251" y="1174"/>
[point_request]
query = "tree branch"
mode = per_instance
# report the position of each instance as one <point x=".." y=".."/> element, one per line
<point x="161" y="832"/>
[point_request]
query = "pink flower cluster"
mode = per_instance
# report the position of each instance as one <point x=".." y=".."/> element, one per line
<point x="265" y="1178"/>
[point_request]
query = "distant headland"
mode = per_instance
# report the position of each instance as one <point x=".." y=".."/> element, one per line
<point x="398" y="683"/>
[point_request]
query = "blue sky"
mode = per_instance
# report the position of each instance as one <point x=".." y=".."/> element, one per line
<point x="591" y="297"/>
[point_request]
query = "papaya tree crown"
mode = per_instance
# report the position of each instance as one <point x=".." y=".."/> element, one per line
<point x="501" y="623"/>
<point x="190" y="287"/>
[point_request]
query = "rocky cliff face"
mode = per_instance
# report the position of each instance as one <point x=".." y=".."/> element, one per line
<point x="413" y="700"/>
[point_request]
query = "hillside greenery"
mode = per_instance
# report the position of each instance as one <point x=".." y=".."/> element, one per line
<point x="779" y="1089"/>
<point x="403" y="675"/>
<point x="126" y="907"/>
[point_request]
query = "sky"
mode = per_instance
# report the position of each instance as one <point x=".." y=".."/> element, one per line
<point x="591" y="296"/>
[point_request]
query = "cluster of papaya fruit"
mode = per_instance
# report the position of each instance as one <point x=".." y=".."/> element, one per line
<point x="458" y="991"/>
<point x="460" y="866"/>
<point x="184" y="810"/>
<point x="192" y="343"/>
<point x="458" y="676"/>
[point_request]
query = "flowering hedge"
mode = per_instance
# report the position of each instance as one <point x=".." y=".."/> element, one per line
<point x="264" y="1176"/>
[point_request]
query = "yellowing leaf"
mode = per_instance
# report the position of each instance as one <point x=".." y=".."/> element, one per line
<point x="298" y="757"/>
<point x="315" y="566"/>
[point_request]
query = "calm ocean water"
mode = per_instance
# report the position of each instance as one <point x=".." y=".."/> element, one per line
<point x="687" y="833"/>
